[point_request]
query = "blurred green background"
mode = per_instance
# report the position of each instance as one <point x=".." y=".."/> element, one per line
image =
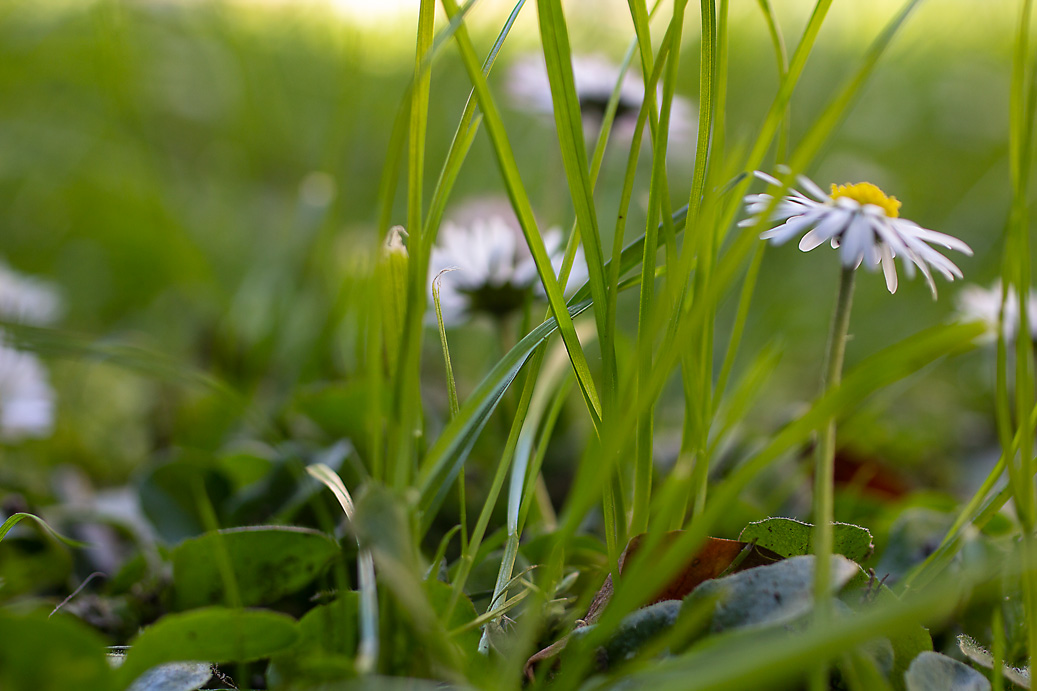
<point x="200" y="180"/>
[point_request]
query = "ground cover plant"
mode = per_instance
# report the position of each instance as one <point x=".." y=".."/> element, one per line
<point x="472" y="348"/>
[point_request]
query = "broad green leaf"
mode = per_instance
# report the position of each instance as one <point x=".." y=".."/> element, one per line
<point x="908" y="641"/>
<point x="268" y="562"/>
<point x="213" y="634"/>
<point x="31" y="563"/>
<point x="326" y="647"/>
<point x="169" y="497"/>
<point x="385" y="683"/>
<point x="174" y="676"/>
<point x="439" y="596"/>
<point x="936" y="672"/>
<point x="789" y="537"/>
<point x="52" y="654"/>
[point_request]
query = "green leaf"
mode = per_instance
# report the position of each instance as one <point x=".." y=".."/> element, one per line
<point x="212" y="634"/>
<point x="908" y="640"/>
<point x="31" y="564"/>
<point x="935" y="672"/>
<point x="54" y="653"/>
<point x="168" y="497"/>
<point x="326" y="646"/>
<point x="268" y="562"/>
<point x="789" y="538"/>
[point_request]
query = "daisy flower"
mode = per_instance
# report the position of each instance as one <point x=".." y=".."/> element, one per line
<point x="27" y="300"/>
<point x="859" y="220"/>
<point x="26" y="398"/>
<point x="595" y="77"/>
<point x="976" y="303"/>
<point x="485" y="267"/>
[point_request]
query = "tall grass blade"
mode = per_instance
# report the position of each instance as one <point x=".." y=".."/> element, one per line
<point x="367" y="651"/>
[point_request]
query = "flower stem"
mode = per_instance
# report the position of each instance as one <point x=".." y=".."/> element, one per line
<point x="824" y="470"/>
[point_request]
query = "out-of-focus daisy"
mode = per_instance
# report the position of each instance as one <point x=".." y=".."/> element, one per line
<point x="27" y="300"/>
<point x="859" y="220"/>
<point x="26" y="398"/>
<point x="595" y="77"/>
<point x="485" y="267"/>
<point x="976" y="303"/>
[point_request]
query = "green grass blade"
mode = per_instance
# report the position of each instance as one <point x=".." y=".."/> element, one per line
<point x="524" y="211"/>
<point x="871" y="375"/>
<point x="367" y="651"/>
<point x="467" y="128"/>
<point x="17" y="518"/>
<point x="446" y="456"/>
<point x="569" y="125"/>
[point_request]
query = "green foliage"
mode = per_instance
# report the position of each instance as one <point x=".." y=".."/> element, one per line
<point x="212" y="188"/>
<point x="212" y="634"/>
<point x="267" y="563"/>
<point x="51" y="653"/>
<point x="789" y="538"/>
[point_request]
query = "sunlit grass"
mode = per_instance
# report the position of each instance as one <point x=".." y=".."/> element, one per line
<point x="211" y="185"/>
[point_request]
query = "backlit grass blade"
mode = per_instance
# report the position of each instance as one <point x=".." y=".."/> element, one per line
<point x="524" y="211"/>
<point x="446" y="456"/>
<point x="16" y="518"/>
<point x="467" y="128"/>
<point x="367" y="652"/>
<point x="548" y="387"/>
<point x="569" y="125"/>
<point x="405" y="418"/>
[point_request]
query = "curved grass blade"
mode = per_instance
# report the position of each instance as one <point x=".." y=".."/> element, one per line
<point x="17" y="518"/>
<point x="367" y="652"/>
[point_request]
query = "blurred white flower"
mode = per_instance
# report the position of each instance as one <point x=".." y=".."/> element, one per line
<point x="26" y="398"/>
<point x="859" y="220"/>
<point x="595" y="77"/>
<point x="485" y="266"/>
<point x="26" y="299"/>
<point x="976" y="303"/>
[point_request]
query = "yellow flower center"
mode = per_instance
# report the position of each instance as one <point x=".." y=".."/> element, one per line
<point x="867" y="193"/>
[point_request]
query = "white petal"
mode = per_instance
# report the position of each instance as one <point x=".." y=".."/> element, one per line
<point x="855" y="240"/>
<point x="889" y="267"/>
<point x="812" y="188"/>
